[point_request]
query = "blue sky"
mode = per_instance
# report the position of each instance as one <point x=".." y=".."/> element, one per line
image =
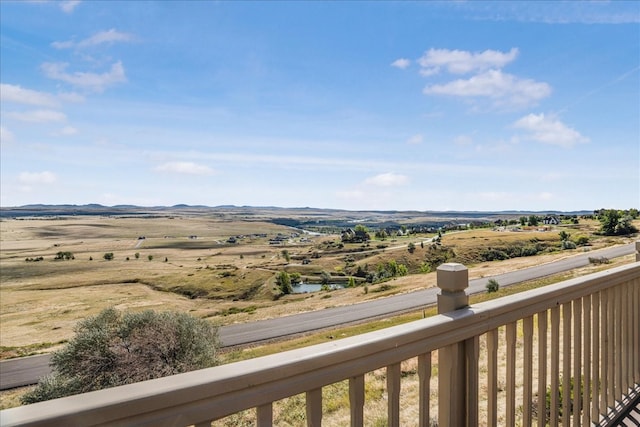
<point x="350" y="105"/>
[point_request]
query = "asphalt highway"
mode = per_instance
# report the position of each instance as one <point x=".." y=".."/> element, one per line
<point x="25" y="371"/>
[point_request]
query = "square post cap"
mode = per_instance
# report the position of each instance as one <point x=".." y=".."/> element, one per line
<point x="452" y="277"/>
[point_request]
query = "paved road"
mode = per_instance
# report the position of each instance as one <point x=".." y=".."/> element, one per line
<point x="23" y="371"/>
<point x="18" y="372"/>
<point x="247" y="333"/>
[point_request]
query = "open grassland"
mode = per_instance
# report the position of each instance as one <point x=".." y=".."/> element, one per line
<point x="193" y="269"/>
<point x="187" y="263"/>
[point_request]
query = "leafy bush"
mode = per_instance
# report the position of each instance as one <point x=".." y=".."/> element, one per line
<point x="568" y="244"/>
<point x="492" y="286"/>
<point x="495" y="255"/>
<point x="581" y="240"/>
<point x="283" y="281"/>
<point x="108" y="256"/>
<point x="115" y="348"/>
<point x="64" y="255"/>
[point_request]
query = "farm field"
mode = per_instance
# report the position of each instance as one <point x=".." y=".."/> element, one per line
<point x="222" y="268"/>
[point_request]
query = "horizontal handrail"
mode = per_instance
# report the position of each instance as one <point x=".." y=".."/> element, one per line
<point x="216" y="392"/>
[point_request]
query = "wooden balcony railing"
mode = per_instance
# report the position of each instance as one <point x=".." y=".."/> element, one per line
<point x="570" y="355"/>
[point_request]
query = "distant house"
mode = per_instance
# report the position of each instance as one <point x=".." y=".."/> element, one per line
<point x="551" y="220"/>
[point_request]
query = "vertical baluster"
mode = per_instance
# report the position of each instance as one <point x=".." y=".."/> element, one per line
<point x="586" y="394"/>
<point x="636" y="328"/>
<point x="527" y="400"/>
<point x="577" y="360"/>
<point x="314" y="408"/>
<point x="619" y="346"/>
<point x="472" y="351"/>
<point x="424" y="377"/>
<point x="492" y="378"/>
<point x="511" y="374"/>
<point x="630" y="331"/>
<point x="566" y="364"/>
<point x="356" y="400"/>
<point x="604" y="351"/>
<point x="393" y="394"/>
<point x="611" y="321"/>
<point x="264" y="415"/>
<point x="595" y="362"/>
<point x="555" y="364"/>
<point x="542" y="368"/>
<point x="624" y="297"/>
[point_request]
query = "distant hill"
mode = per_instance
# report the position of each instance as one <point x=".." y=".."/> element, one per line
<point x="39" y="210"/>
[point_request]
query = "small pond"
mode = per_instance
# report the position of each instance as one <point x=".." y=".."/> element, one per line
<point x="303" y="288"/>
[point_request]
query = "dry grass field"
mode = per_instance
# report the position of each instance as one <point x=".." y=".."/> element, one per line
<point x="186" y="263"/>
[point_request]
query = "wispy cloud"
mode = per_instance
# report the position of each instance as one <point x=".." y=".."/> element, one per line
<point x="416" y="139"/>
<point x="102" y="37"/>
<point x="558" y="12"/>
<point x="549" y="130"/>
<point x="32" y="178"/>
<point x="6" y="136"/>
<point x="503" y="88"/>
<point x="463" y="62"/>
<point x="89" y="81"/>
<point x="401" y="63"/>
<point x="69" y="6"/>
<point x="189" y="168"/>
<point x="388" y="179"/>
<point x="39" y="116"/>
<point x="20" y="95"/>
<point x="66" y="131"/>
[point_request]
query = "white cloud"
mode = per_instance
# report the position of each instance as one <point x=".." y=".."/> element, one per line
<point x="109" y="36"/>
<point x="6" y="136"/>
<point x="549" y="130"/>
<point x="37" y="178"/>
<point x="416" y="139"/>
<point x="39" y="116"/>
<point x="462" y="62"/>
<point x="18" y="94"/>
<point x="90" y="81"/>
<point x="185" y="168"/>
<point x="69" y="5"/>
<point x="502" y="87"/>
<point x="401" y="63"/>
<point x="67" y="131"/>
<point x="73" y="97"/>
<point x="388" y="179"/>
<point x="463" y="140"/>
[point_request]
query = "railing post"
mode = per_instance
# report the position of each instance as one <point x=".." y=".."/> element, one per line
<point x="638" y="250"/>
<point x="453" y="279"/>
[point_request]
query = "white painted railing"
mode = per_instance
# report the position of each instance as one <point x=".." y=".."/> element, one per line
<point x="583" y="332"/>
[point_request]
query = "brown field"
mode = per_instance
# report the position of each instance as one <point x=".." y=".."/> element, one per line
<point x="40" y="302"/>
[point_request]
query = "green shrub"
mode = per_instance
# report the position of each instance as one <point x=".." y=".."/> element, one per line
<point x="492" y="286"/>
<point x="115" y="348"/>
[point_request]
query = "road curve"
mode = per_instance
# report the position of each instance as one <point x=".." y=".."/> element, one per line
<point x="246" y="333"/>
<point x="25" y="371"/>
